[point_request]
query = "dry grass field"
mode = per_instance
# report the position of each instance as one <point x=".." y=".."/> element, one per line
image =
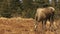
<point x="25" y="26"/>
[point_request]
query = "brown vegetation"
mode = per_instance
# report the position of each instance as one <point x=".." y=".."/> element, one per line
<point x="23" y="26"/>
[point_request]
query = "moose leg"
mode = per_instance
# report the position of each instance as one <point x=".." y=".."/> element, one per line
<point x="36" y="23"/>
<point x="44" y="23"/>
<point x="52" y="21"/>
<point x="52" y="18"/>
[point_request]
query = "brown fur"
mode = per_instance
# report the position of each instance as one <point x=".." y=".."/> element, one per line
<point x="44" y="14"/>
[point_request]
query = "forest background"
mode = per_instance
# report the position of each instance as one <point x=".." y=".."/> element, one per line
<point x="25" y="8"/>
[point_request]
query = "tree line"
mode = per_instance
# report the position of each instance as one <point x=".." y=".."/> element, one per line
<point x="24" y="8"/>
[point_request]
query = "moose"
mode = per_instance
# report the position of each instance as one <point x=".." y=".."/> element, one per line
<point x="44" y="14"/>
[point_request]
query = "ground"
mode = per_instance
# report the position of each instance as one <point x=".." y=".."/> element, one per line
<point x="25" y="26"/>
